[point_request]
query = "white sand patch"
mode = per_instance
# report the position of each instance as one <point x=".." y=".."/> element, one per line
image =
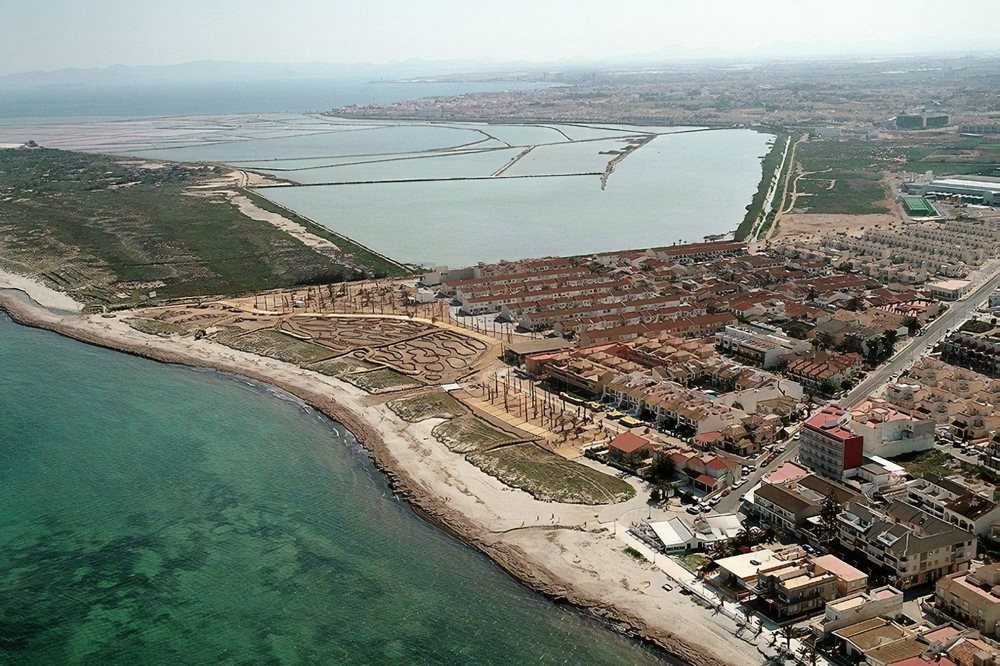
<point x="42" y="294"/>
<point x="252" y="211"/>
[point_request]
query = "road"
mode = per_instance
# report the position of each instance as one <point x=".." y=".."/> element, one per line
<point x="988" y="279"/>
<point x="936" y="331"/>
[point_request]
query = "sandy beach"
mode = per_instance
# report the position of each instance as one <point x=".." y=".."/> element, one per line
<point x="566" y="551"/>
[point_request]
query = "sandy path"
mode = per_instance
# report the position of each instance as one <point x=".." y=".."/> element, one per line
<point x="561" y="550"/>
<point x="254" y="212"/>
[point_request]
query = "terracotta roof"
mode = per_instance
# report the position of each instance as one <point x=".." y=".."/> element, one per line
<point x="628" y="442"/>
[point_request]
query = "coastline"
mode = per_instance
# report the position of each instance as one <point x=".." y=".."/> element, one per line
<point x="531" y="555"/>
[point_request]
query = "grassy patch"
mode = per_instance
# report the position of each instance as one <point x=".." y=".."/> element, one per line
<point x="436" y="404"/>
<point x="468" y="433"/>
<point x="108" y="232"/>
<point x="692" y="561"/>
<point x="164" y="329"/>
<point x="854" y="167"/>
<point x="274" y="344"/>
<point x="337" y="367"/>
<point x="634" y="554"/>
<point x="379" y="266"/>
<point x="381" y="380"/>
<point x="932" y="461"/>
<point x="547" y="476"/>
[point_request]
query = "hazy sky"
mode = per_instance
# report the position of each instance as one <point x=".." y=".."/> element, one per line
<point x="53" y="34"/>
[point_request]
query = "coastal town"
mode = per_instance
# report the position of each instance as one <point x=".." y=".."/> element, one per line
<point x="777" y="444"/>
<point x="799" y="436"/>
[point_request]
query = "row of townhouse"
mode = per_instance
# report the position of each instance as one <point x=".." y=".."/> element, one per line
<point x="817" y="372"/>
<point x="951" y="500"/>
<point x="500" y="281"/>
<point x="492" y="302"/>
<point x="911" y="545"/>
<point x="978" y="352"/>
<point x="962" y="400"/>
<point x="669" y="402"/>
<point x="697" y="326"/>
<point x="563" y="318"/>
<point x="625" y="317"/>
<point x="539" y="284"/>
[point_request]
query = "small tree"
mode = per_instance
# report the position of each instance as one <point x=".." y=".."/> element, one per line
<point x="662" y="469"/>
<point x="828" y="526"/>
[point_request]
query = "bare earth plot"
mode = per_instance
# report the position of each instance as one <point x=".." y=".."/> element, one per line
<point x="343" y="334"/>
<point x="442" y="356"/>
<point x="547" y="476"/>
<point x="275" y="345"/>
<point x="381" y="380"/>
<point x="430" y="405"/>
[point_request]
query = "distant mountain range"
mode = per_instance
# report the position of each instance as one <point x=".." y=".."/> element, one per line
<point x="210" y="71"/>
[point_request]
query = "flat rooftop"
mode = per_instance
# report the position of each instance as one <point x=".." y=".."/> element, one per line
<point x="981" y="183"/>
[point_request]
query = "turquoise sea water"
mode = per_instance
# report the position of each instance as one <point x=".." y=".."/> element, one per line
<point x="158" y="514"/>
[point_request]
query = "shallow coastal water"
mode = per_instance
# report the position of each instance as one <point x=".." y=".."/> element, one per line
<point x="158" y="514"/>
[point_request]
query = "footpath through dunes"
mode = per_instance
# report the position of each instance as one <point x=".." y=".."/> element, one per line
<point x="516" y="530"/>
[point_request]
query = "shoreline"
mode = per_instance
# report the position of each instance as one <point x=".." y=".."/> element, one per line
<point x="509" y="554"/>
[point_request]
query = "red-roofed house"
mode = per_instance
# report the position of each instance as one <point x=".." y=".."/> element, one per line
<point x="630" y="447"/>
<point x="705" y="472"/>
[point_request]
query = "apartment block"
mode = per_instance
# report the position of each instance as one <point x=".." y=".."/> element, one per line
<point x="972" y="598"/>
<point x="912" y="545"/>
<point x="827" y="446"/>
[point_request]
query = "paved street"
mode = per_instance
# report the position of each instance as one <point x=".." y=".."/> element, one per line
<point x="933" y="333"/>
<point x="987" y="279"/>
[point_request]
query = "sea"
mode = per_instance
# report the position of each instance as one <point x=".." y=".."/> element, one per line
<point x="157" y="514"/>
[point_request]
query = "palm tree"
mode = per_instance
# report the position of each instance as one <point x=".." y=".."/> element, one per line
<point x="786" y="631"/>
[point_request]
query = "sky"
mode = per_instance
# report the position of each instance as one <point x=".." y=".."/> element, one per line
<point x="56" y="34"/>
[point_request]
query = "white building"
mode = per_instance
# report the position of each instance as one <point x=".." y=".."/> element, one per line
<point x="681" y="534"/>
<point x="762" y="345"/>
<point x="890" y="431"/>
<point x="884" y="601"/>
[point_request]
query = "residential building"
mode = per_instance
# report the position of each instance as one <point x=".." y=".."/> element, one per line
<point x="972" y="598"/>
<point x="817" y="374"/>
<point x="884" y="601"/>
<point x="879" y="642"/>
<point x="888" y="430"/>
<point x="630" y="448"/>
<point x="764" y="346"/>
<point x="952" y="501"/>
<point x="705" y="473"/>
<point x="849" y="579"/>
<point x="794" y="589"/>
<point x="911" y="545"/>
<point x="683" y="534"/>
<point x="827" y="446"/>
<point x="790" y="503"/>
